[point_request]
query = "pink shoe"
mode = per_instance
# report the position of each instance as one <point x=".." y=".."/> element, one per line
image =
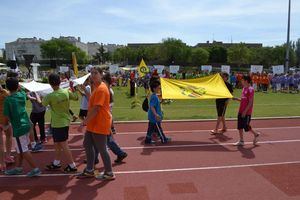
<point x="9" y="159"/>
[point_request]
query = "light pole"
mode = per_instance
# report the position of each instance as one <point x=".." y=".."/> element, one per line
<point x="287" y="55"/>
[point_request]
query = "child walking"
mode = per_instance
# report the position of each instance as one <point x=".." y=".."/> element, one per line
<point x="155" y="115"/>
<point x="15" y="113"/>
<point x="59" y="101"/>
<point x="245" y="111"/>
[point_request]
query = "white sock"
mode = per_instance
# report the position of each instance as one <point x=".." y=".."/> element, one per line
<point x="56" y="162"/>
<point x="33" y="144"/>
<point x="72" y="165"/>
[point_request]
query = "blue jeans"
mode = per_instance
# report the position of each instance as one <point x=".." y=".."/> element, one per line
<point x="155" y="128"/>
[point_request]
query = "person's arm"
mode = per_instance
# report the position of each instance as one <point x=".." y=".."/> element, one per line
<point x="30" y="97"/>
<point x="153" y="102"/>
<point x="72" y="92"/>
<point x="236" y="99"/>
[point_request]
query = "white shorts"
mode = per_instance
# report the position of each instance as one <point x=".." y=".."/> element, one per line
<point x="21" y="143"/>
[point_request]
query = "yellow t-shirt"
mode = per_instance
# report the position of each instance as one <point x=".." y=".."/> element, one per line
<point x="101" y="123"/>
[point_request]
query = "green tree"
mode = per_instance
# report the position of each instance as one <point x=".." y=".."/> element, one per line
<point x="238" y="54"/>
<point x="61" y="50"/>
<point x="297" y="51"/>
<point x="174" y="51"/>
<point x="102" y="55"/>
<point x="261" y="56"/>
<point x="217" y="54"/>
<point x="199" y="56"/>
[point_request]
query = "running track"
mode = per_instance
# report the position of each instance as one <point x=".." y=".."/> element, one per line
<point x="195" y="165"/>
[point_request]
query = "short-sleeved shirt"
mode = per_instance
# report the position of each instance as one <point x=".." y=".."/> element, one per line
<point x="154" y="102"/>
<point x="36" y="107"/>
<point x="85" y="101"/>
<point x="247" y="95"/>
<point x="3" y="94"/>
<point x="15" y="110"/>
<point x="230" y="88"/>
<point x="101" y="123"/>
<point x="59" y="101"/>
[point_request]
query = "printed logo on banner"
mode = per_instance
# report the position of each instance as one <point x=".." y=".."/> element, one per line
<point x="256" y="68"/>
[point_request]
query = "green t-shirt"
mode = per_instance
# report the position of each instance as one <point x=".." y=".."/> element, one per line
<point x="59" y="101"/>
<point x="15" y="110"/>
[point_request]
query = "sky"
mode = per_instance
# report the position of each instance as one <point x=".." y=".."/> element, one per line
<point x="149" y="21"/>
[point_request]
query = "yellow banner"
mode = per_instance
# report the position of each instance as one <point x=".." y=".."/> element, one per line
<point x="142" y="68"/>
<point x="75" y="65"/>
<point x="209" y="87"/>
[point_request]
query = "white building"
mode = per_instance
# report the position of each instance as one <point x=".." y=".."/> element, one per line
<point x="24" y="46"/>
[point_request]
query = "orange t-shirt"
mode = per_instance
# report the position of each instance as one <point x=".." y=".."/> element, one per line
<point x="3" y="94"/>
<point x="101" y="123"/>
<point x="255" y="79"/>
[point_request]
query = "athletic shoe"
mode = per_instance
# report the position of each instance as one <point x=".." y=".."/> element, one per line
<point x="9" y="159"/>
<point x="53" y="167"/>
<point x="166" y="140"/>
<point x="121" y="158"/>
<point x="255" y="140"/>
<point x="149" y="142"/>
<point x="239" y="143"/>
<point x="44" y="141"/>
<point x="38" y="147"/>
<point x="14" y="171"/>
<point x="106" y="176"/>
<point x="34" y="172"/>
<point x="85" y="174"/>
<point x="69" y="169"/>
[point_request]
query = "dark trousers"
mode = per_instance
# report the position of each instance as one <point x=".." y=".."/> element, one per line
<point x="40" y="119"/>
<point x="132" y="88"/>
<point x="155" y="128"/>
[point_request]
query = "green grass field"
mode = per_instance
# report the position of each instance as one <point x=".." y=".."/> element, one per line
<point x="265" y="105"/>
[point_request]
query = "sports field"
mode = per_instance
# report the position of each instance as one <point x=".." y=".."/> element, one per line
<point x="266" y="105"/>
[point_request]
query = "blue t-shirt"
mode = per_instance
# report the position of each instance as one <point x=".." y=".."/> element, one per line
<point x="154" y="101"/>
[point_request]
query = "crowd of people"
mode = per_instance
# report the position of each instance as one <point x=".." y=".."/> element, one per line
<point x="96" y="118"/>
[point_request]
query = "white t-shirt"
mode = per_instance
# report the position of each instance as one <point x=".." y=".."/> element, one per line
<point x="85" y="101"/>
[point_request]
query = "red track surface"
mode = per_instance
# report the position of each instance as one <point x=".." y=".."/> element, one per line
<point x="195" y="165"/>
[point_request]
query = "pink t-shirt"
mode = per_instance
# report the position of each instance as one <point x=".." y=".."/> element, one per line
<point x="247" y="95"/>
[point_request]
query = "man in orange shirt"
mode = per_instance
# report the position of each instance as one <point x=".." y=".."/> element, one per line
<point x="265" y="82"/>
<point x="98" y="122"/>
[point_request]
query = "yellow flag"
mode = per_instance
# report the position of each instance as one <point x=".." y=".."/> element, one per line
<point x="209" y="87"/>
<point x="75" y="65"/>
<point x="142" y="68"/>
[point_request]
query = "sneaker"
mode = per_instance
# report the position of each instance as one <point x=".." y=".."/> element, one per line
<point x="255" y="140"/>
<point x="166" y="140"/>
<point x="44" y="141"/>
<point x="106" y="176"/>
<point x="14" y="171"/>
<point x="38" y="147"/>
<point x="239" y="143"/>
<point x="149" y="142"/>
<point x="121" y="158"/>
<point x="69" y="169"/>
<point x="9" y="159"/>
<point x="53" y="167"/>
<point x="85" y="174"/>
<point x="34" y="172"/>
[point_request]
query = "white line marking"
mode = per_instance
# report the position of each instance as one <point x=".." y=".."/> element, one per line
<point x="190" y="145"/>
<point x="174" y="170"/>
<point x="195" y="131"/>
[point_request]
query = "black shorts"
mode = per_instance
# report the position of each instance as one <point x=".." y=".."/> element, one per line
<point x="244" y="122"/>
<point x="221" y="108"/>
<point x="60" y="134"/>
<point x="83" y="113"/>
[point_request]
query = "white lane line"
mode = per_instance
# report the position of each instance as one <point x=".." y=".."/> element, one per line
<point x="189" y="145"/>
<point x="174" y="170"/>
<point x="194" y="131"/>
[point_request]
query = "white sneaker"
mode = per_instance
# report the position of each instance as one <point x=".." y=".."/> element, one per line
<point x="239" y="143"/>
<point x="255" y="140"/>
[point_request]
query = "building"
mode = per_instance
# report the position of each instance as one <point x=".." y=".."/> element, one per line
<point x="24" y="46"/>
<point x="1" y="53"/>
<point x="112" y="47"/>
<point x="227" y="45"/>
<point x="140" y="45"/>
<point x="76" y="42"/>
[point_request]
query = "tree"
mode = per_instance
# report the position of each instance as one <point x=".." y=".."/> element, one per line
<point x="261" y="56"/>
<point x="297" y="51"/>
<point x="199" y="56"/>
<point x="238" y="54"/>
<point x="217" y="54"/>
<point x="174" y="51"/>
<point x="102" y="55"/>
<point x="61" y="50"/>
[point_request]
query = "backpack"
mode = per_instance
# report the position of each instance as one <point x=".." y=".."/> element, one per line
<point x="145" y="105"/>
